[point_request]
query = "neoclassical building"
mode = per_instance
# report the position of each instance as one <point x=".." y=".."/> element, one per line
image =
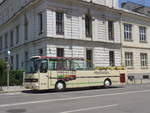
<point x="97" y="30"/>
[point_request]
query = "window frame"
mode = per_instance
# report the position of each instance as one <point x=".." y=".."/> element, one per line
<point x="111" y="30"/>
<point x="60" y="23"/>
<point x="17" y="61"/>
<point x="88" y="26"/>
<point x="129" y="59"/>
<point x="17" y="34"/>
<point x="26" y="30"/>
<point x="128" y="32"/>
<point x="60" y="52"/>
<point x="11" y="38"/>
<point x="144" y="60"/>
<point x="40" y="23"/>
<point x="1" y="42"/>
<point x="111" y="58"/>
<point x="6" y="40"/>
<point x="142" y="34"/>
<point x="40" y="52"/>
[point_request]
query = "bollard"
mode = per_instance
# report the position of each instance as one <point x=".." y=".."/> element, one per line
<point x="141" y="81"/>
<point x="23" y="78"/>
<point x="1" y="89"/>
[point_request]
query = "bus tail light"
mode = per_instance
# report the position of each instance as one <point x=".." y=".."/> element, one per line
<point x="122" y="78"/>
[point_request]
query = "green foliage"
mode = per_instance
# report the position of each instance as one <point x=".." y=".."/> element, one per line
<point x="15" y="78"/>
<point x="3" y="66"/>
<point x="3" y="70"/>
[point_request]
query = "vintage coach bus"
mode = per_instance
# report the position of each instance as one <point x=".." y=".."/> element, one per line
<point x="61" y="72"/>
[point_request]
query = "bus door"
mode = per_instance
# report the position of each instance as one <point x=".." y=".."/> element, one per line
<point x="44" y="75"/>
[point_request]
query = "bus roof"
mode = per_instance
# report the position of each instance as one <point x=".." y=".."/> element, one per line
<point x="57" y="58"/>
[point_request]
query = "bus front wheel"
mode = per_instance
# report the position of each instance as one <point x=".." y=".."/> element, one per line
<point x="60" y="86"/>
<point x="107" y="83"/>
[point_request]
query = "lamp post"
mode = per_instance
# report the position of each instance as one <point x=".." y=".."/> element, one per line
<point x="8" y="68"/>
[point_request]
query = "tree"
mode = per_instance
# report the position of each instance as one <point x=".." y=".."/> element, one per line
<point x="3" y="68"/>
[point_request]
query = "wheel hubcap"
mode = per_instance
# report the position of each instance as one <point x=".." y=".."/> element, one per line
<point x="107" y="83"/>
<point x="60" y="86"/>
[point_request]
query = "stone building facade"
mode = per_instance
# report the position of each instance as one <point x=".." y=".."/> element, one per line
<point x="96" y="30"/>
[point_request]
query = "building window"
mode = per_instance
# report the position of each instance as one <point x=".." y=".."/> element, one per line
<point x="88" y="25"/>
<point x="142" y="33"/>
<point x="59" y="23"/>
<point x="26" y="28"/>
<point x="128" y="32"/>
<point x="40" y="23"/>
<point x="111" y="30"/>
<point x="60" y="52"/>
<point x="1" y="43"/>
<point x="129" y="59"/>
<point x="17" y="34"/>
<point x="146" y="76"/>
<point x="111" y="58"/>
<point x="40" y="52"/>
<point x="6" y="40"/>
<point x="89" y="58"/>
<point x="26" y="56"/>
<point x="17" y="61"/>
<point x="144" y="60"/>
<point x="11" y="38"/>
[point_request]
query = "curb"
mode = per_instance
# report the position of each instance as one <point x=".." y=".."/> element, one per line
<point x="12" y="91"/>
<point x="2" y="92"/>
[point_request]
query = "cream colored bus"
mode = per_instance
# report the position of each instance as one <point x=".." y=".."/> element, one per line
<point x="61" y="72"/>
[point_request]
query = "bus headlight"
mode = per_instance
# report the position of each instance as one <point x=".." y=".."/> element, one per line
<point x="31" y="80"/>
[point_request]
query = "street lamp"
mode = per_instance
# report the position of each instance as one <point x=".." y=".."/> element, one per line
<point x="8" y="68"/>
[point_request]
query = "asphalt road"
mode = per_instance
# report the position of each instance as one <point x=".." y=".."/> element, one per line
<point x="130" y="99"/>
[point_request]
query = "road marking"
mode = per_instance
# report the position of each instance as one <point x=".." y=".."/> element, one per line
<point x="17" y="93"/>
<point x="71" y="98"/>
<point x="49" y="93"/>
<point x="91" y="108"/>
<point x="10" y="94"/>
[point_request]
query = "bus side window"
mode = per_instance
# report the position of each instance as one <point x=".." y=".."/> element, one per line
<point x="52" y="65"/>
<point x="61" y="65"/>
<point x="43" y="67"/>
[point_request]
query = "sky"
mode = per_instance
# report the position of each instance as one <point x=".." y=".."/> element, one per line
<point x="145" y="2"/>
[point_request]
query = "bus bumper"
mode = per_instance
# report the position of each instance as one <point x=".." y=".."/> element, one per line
<point x="32" y="86"/>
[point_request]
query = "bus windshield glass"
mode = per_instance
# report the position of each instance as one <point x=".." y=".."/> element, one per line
<point x="35" y="65"/>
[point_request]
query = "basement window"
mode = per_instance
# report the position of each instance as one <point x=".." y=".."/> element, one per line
<point x="145" y="76"/>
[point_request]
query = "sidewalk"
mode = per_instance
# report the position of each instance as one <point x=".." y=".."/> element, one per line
<point x="12" y="89"/>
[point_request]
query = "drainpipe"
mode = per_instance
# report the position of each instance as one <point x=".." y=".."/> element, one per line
<point x="71" y="34"/>
<point x="121" y="40"/>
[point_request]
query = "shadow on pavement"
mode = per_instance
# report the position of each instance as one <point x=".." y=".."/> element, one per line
<point x="68" y="90"/>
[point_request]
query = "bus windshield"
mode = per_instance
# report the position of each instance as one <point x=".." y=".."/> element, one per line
<point x="35" y="65"/>
<point x="32" y="66"/>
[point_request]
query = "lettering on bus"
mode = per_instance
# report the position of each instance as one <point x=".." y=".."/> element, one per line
<point x="101" y="72"/>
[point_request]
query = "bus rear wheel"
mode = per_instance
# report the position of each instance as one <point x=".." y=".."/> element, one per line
<point x="107" y="83"/>
<point x="60" y="86"/>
